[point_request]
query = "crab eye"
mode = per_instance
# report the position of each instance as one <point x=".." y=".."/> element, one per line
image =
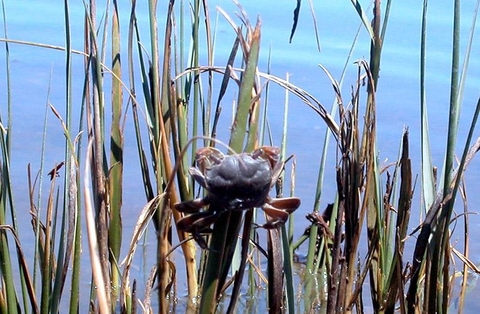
<point x="270" y="153"/>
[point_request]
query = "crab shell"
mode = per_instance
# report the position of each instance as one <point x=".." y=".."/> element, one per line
<point x="235" y="182"/>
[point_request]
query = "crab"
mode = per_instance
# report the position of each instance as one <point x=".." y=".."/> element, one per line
<point x="234" y="183"/>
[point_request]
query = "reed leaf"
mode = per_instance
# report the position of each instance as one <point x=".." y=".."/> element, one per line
<point x="364" y="19"/>
<point x="72" y="180"/>
<point x="115" y="174"/>
<point x="427" y="175"/>
<point x="225" y="230"/>
<point x="70" y="223"/>
<point x="175" y="109"/>
<point x="132" y="34"/>
<point x="102" y="292"/>
<point x="440" y="240"/>
<point x="6" y="200"/>
<point x="32" y="299"/>
<point x="96" y="132"/>
<point x="286" y="235"/>
<point x="48" y="263"/>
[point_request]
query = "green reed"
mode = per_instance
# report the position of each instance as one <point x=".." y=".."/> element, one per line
<point x="440" y="206"/>
<point x="387" y="223"/>
<point x="176" y="105"/>
<point x="6" y="201"/>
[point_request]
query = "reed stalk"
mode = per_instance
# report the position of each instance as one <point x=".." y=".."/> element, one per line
<point x="228" y="224"/>
<point x="6" y="201"/>
<point x="115" y="173"/>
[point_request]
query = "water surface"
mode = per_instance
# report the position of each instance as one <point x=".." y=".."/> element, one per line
<point x="38" y="76"/>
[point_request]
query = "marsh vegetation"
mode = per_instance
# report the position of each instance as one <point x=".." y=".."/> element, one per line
<point x="160" y="74"/>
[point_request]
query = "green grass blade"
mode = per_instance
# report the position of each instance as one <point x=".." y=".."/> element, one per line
<point x="134" y="32"/>
<point x="466" y="60"/>
<point x="225" y="230"/>
<point x="6" y="198"/>
<point x="364" y="18"/>
<point x="455" y="106"/>
<point x="245" y="96"/>
<point x="288" y="268"/>
<point x="286" y="239"/>
<point x="96" y="131"/>
<point x="427" y="176"/>
<point x="115" y="174"/>
<point x="438" y="301"/>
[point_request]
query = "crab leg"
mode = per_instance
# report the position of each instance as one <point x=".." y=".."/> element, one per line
<point x="191" y="207"/>
<point x="197" y="222"/>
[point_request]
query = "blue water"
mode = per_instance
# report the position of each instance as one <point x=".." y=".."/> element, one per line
<point x="35" y="71"/>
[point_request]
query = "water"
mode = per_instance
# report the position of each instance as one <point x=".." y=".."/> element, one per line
<point x="35" y="71"/>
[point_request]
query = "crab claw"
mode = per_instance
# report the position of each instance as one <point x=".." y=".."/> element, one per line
<point x="278" y="210"/>
<point x="270" y="153"/>
<point x="198" y="176"/>
<point x="288" y="204"/>
<point x="206" y="157"/>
